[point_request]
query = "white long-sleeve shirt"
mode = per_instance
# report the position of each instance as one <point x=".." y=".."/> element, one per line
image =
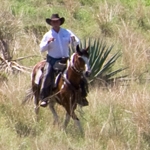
<point x="60" y="46"/>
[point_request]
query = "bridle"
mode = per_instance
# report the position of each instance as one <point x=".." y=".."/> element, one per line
<point x="73" y="67"/>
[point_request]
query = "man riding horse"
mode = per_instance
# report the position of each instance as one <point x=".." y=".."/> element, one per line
<point x="56" y="42"/>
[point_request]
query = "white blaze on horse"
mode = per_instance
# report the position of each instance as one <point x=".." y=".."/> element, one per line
<point x="68" y="91"/>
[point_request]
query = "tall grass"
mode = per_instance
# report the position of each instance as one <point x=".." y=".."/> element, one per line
<point x="117" y="117"/>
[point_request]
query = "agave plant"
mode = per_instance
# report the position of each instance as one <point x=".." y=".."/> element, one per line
<point x="100" y="61"/>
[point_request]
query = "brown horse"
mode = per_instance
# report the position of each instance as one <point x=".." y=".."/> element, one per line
<point x="68" y="91"/>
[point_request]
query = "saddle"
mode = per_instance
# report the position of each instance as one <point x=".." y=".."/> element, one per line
<point x="58" y="68"/>
<point x="60" y="65"/>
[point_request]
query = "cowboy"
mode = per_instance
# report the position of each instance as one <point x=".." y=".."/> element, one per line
<point x="56" y="42"/>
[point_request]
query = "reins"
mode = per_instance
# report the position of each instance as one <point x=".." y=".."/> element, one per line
<point x="76" y="70"/>
<point x="69" y="83"/>
<point x="51" y="96"/>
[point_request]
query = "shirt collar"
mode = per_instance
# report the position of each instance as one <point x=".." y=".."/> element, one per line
<point x="55" y="31"/>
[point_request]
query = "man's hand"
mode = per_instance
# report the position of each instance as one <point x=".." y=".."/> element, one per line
<point x="50" y="40"/>
<point x="73" y="39"/>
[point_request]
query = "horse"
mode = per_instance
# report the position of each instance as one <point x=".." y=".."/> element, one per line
<point x="67" y="91"/>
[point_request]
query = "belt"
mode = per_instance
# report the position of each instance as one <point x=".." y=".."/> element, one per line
<point x="52" y="60"/>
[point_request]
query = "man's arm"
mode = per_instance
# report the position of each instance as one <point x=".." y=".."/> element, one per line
<point x="74" y="40"/>
<point x="45" y="43"/>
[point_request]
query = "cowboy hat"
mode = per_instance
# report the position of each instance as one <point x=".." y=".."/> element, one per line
<point x="55" y="17"/>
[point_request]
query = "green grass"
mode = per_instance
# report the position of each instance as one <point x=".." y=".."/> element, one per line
<point x="117" y="117"/>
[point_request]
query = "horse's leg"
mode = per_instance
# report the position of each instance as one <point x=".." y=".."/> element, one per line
<point x="51" y="107"/>
<point x="36" y="101"/>
<point x="76" y="121"/>
<point x="70" y="113"/>
<point x="78" y="124"/>
<point x="75" y="118"/>
<point x="67" y="119"/>
<point x="36" y="107"/>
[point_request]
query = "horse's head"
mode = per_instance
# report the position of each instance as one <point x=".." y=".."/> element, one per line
<point x="80" y="61"/>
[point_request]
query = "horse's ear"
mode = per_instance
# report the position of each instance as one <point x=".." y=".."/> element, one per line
<point x="78" y="50"/>
<point x="87" y="48"/>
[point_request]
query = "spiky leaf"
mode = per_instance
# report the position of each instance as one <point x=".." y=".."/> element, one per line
<point x="100" y="61"/>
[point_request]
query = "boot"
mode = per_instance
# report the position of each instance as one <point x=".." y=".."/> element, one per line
<point x="43" y="95"/>
<point x="83" y="102"/>
<point x="43" y="104"/>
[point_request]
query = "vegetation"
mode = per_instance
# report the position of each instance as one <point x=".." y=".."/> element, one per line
<point x="118" y="116"/>
<point x="101" y="64"/>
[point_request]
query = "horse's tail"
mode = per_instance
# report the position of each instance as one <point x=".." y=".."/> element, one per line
<point x="28" y="96"/>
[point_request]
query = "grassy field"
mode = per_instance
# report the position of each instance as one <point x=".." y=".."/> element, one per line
<point x="118" y="117"/>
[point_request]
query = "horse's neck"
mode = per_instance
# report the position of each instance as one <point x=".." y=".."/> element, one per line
<point x="73" y="77"/>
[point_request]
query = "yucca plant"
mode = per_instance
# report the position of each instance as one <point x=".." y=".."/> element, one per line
<point x="100" y="61"/>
